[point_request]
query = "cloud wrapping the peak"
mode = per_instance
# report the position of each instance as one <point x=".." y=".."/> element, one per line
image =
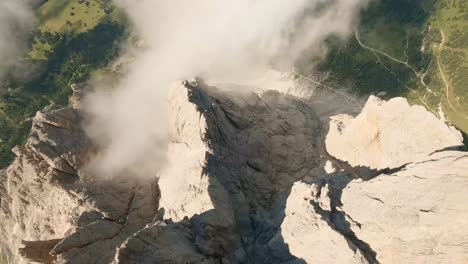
<point x="16" y="18"/>
<point x="212" y="39"/>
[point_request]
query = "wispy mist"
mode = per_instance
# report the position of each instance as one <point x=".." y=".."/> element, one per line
<point x="16" y="18"/>
<point x="212" y="39"/>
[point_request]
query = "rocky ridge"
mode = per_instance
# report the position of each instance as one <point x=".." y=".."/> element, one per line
<point x="249" y="180"/>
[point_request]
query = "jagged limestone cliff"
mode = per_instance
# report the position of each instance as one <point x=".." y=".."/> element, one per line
<point x="248" y="180"/>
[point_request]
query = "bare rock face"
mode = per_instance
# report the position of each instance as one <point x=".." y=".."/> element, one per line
<point x="389" y="135"/>
<point x="233" y="159"/>
<point x="248" y="180"/>
<point x="309" y="236"/>
<point x="420" y="209"/>
<point x="51" y="211"/>
<point x="409" y="215"/>
<point x="232" y="162"/>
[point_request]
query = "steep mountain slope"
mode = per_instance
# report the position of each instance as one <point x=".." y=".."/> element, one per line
<point x="248" y="180"/>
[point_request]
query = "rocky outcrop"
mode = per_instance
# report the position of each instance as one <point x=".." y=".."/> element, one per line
<point x="309" y="236"/>
<point x="248" y="179"/>
<point x="413" y="215"/>
<point x="389" y="135"/>
<point x="52" y="211"/>
<point x="409" y="211"/>
<point x="420" y="209"/>
<point x="233" y="159"/>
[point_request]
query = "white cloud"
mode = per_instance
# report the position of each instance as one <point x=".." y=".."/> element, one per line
<point x="15" y="20"/>
<point x="214" y="39"/>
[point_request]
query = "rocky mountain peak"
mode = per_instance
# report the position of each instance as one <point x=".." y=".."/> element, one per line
<point x="251" y="177"/>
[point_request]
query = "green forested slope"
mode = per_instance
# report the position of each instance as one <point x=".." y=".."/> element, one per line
<point x="60" y="54"/>
<point x="412" y="48"/>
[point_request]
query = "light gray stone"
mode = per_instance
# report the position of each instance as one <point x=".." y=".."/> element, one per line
<point x="248" y="180"/>
<point x="389" y="134"/>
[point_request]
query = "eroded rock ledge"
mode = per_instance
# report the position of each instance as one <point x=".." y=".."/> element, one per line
<point x="245" y="183"/>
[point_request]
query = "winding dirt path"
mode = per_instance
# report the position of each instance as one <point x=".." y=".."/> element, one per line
<point x="418" y="74"/>
<point x="385" y="54"/>
<point x="448" y="88"/>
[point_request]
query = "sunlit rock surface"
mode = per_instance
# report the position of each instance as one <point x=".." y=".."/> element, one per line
<point x="389" y="135"/>
<point x="248" y="179"/>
